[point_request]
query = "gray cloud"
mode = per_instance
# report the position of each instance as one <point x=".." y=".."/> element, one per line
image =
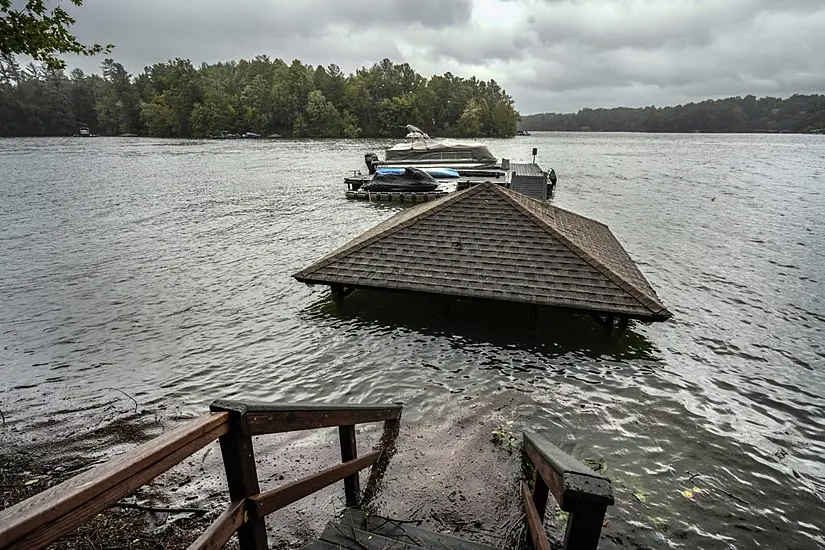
<point x="551" y="55"/>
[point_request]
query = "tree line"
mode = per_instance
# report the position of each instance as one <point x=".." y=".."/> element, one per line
<point x="262" y="95"/>
<point x="796" y="114"/>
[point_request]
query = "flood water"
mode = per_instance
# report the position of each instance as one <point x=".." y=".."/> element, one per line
<point x="163" y="268"/>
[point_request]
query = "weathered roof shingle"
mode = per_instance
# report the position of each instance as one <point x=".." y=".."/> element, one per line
<point x="489" y="242"/>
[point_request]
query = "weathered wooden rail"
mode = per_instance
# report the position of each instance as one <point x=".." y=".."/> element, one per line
<point x="45" y="517"/>
<point x="578" y="490"/>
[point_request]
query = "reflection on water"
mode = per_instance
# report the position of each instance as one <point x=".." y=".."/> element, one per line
<point x="163" y="268"/>
<point x="547" y="331"/>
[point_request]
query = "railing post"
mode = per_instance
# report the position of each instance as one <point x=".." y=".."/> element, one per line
<point x="578" y="490"/>
<point x="352" y="486"/>
<point x="241" y="472"/>
<point x="584" y="526"/>
<point x="540" y="493"/>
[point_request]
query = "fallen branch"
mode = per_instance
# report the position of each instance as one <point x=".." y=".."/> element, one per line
<point x="734" y="497"/>
<point x="714" y="486"/>
<point x="127" y="395"/>
<point x="161" y="509"/>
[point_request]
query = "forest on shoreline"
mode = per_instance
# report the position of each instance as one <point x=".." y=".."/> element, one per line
<point x="261" y="95"/>
<point x="266" y="96"/>
<point x="796" y="114"/>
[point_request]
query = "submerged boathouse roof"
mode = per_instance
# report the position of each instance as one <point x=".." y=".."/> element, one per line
<point x="493" y="243"/>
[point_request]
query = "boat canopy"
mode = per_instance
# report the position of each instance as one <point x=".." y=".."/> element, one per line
<point x="436" y="149"/>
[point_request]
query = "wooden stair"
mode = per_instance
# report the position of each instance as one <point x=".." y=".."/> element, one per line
<point x="356" y="531"/>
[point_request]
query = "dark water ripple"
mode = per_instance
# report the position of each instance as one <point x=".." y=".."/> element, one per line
<point x="162" y="267"/>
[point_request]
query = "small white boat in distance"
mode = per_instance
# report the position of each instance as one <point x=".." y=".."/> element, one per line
<point x="84" y="132"/>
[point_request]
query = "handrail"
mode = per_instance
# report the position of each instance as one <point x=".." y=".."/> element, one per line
<point x="269" y="418"/>
<point x="45" y="517"/>
<point x="534" y="522"/>
<point x="267" y="502"/>
<point x="578" y="490"/>
<point x="222" y="529"/>
<point x="249" y="419"/>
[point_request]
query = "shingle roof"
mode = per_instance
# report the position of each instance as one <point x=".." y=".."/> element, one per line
<point x="490" y="242"/>
<point x="527" y="169"/>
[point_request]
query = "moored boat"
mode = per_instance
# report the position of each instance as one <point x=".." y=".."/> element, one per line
<point x="84" y="132"/>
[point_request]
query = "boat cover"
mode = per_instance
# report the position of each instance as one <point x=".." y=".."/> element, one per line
<point x="436" y="172"/>
<point x="424" y="149"/>
<point x="412" y="180"/>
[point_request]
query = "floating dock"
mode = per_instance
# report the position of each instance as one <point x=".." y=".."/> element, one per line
<point x="397" y="196"/>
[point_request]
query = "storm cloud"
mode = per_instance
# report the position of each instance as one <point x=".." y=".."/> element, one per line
<point x="550" y="55"/>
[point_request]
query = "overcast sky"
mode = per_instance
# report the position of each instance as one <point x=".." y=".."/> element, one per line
<point x="550" y="55"/>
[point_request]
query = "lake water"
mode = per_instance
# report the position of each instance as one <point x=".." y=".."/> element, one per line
<point x="163" y="268"/>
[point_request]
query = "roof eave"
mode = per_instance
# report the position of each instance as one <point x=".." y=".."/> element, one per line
<point x="652" y="317"/>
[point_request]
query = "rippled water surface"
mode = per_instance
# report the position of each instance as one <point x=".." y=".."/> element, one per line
<point x="163" y="268"/>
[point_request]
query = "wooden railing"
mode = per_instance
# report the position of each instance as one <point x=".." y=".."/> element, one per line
<point x="45" y="517"/>
<point x="578" y="490"/>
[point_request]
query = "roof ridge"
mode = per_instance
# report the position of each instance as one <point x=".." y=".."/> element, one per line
<point x="657" y="309"/>
<point x="445" y="202"/>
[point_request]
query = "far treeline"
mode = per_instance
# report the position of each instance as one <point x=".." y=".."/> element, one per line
<point x="261" y="95"/>
<point x="797" y="114"/>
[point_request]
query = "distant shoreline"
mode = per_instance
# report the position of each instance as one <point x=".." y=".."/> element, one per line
<point x="798" y="114"/>
<point x="741" y="133"/>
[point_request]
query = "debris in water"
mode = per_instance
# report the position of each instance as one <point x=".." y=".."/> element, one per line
<point x="504" y="438"/>
<point x="659" y="523"/>
<point x="689" y="493"/>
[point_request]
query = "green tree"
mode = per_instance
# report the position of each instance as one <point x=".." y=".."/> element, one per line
<point x="321" y="118"/>
<point x="208" y="119"/>
<point x="118" y="109"/>
<point x="41" y="34"/>
<point x="502" y="120"/>
<point x="177" y="99"/>
<point x="159" y="117"/>
<point x="177" y="88"/>
<point x="469" y="124"/>
<point x="82" y="93"/>
<point x="290" y="92"/>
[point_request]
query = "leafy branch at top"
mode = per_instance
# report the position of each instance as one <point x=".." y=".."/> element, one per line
<point x="40" y="33"/>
